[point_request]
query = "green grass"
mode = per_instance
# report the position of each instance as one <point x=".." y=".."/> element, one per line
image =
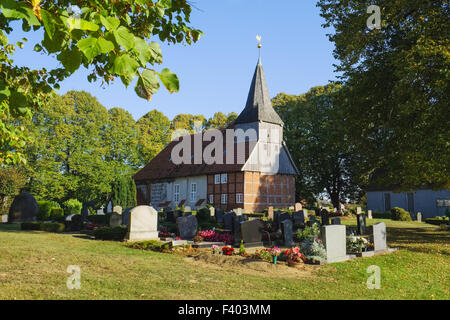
<point x="33" y="266"/>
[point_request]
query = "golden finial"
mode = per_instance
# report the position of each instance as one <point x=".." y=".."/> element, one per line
<point x="259" y="41"/>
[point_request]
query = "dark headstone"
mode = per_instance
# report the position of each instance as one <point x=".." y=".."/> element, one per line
<point x="219" y="213"/>
<point x="325" y="217"/>
<point x="23" y="208"/>
<point x="336" y="220"/>
<point x="251" y="231"/>
<point x="126" y="216"/>
<point x="73" y="222"/>
<point x="286" y="227"/>
<point x="299" y="217"/>
<point x="187" y="227"/>
<point x="237" y="228"/>
<point x="361" y="224"/>
<point x="228" y="220"/>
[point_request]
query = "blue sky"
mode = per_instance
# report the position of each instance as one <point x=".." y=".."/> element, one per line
<point x="215" y="73"/>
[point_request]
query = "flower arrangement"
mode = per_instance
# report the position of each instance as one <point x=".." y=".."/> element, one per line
<point x="263" y="254"/>
<point x="294" y="256"/>
<point x="275" y="251"/>
<point x="198" y="239"/>
<point x="227" y="251"/>
<point x="215" y="249"/>
<point x="214" y="236"/>
<point x="357" y="244"/>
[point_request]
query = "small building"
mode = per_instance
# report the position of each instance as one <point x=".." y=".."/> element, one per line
<point x="253" y="171"/>
<point x="429" y="202"/>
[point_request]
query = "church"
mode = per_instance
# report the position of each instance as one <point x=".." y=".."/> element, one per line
<point x="257" y="170"/>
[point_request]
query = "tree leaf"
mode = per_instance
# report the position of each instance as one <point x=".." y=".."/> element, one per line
<point x="124" y="65"/>
<point x="143" y="50"/>
<point x="110" y="23"/>
<point x="170" y="80"/>
<point x="155" y="49"/>
<point x="92" y="47"/>
<point x="124" y="38"/>
<point x="147" y="84"/>
<point x="74" y="23"/>
<point x="49" y="23"/>
<point x="14" y="10"/>
<point x="71" y="59"/>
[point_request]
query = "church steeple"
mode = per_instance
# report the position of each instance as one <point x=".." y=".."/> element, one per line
<point x="259" y="105"/>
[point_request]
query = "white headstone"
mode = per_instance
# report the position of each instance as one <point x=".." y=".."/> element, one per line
<point x="212" y="211"/>
<point x="4" y="218"/>
<point x="369" y="214"/>
<point x="379" y="236"/>
<point x="117" y="209"/>
<point x="358" y="210"/>
<point x="238" y="211"/>
<point x="143" y="224"/>
<point x="187" y="209"/>
<point x="100" y="211"/>
<point x="419" y="216"/>
<point x="334" y="240"/>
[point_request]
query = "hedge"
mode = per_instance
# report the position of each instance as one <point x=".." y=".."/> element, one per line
<point x="45" y="209"/>
<point x="30" y="226"/>
<point x="108" y="233"/>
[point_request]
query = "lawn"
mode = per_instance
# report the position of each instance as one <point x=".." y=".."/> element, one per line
<point x="33" y="266"/>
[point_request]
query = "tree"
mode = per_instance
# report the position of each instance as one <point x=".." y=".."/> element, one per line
<point x="189" y="122"/>
<point x="123" y="192"/>
<point x="219" y="120"/>
<point x="318" y="142"/>
<point x="154" y="133"/>
<point x="12" y="180"/>
<point x="396" y="89"/>
<point x="109" y="37"/>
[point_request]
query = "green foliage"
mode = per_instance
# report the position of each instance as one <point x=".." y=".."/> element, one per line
<point x="437" y="221"/>
<point x="400" y="214"/>
<point x="313" y="249"/>
<point x="100" y="219"/>
<point x="45" y="209"/>
<point x="72" y="206"/>
<point x="11" y="182"/>
<point x="30" y="226"/>
<point x="57" y="214"/>
<point x="52" y="227"/>
<point x="447" y="213"/>
<point x="308" y="232"/>
<point x="151" y="245"/>
<point x="123" y="192"/>
<point x="380" y="215"/>
<point x="109" y="38"/>
<point x="396" y="85"/>
<point x="316" y="138"/>
<point x="108" y="233"/>
<point x="220" y="120"/>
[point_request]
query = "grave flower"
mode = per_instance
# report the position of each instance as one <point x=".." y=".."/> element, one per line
<point x="227" y="251"/>
<point x="215" y="249"/>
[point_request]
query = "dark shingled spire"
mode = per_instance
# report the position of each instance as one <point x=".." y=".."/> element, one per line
<point x="259" y="106"/>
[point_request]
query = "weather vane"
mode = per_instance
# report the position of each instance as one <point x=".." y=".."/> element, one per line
<point x="258" y="37"/>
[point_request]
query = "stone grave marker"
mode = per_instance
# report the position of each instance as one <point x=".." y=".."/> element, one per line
<point x="187" y="227"/>
<point x="117" y="209"/>
<point x="298" y="217"/>
<point x="419" y="216"/>
<point x="237" y="228"/>
<point x="238" y="211"/>
<point x="228" y="220"/>
<point x="219" y="214"/>
<point x="358" y="210"/>
<point x="379" y="236"/>
<point x="251" y="232"/>
<point x="334" y="240"/>
<point x="100" y="211"/>
<point x="143" y="224"/>
<point x="325" y="217"/>
<point x="115" y="219"/>
<point x="212" y="212"/>
<point x="4" y="218"/>
<point x="298" y="207"/>
<point x="187" y="209"/>
<point x="270" y="213"/>
<point x="291" y="208"/>
<point x="361" y="224"/>
<point x="286" y="227"/>
<point x="126" y="216"/>
<point x="73" y="222"/>
<point x="369" y="214"/>
<point x="24" y="208"/>
<point x="336" y="221"/>
<point x="109" y="207"/>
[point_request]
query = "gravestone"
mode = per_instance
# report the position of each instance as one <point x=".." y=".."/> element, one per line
<point x="286" y="228"/>
<point x="379" y="236"/>
<point x="187" y="227"/>
<point x="270" y="213"/>
<point x="187" y="209"/>
<point x="299" y="217"/>
<point x="369" y="214"/>
<point x="109" y="207"/>
<point x="325" y="217"/>
<point x="419" y="216"/>
<point x="361" y="224"/>
<point x="334" y="240"/>
<point x="126" y="216"/>
<point x="237" y="229"/>
<point x="24" y="208"/>
<point x="212" y="212"/>
<point x="73" y="222"/>
<point x="101" y="212"/>
<point x="115" y="219"/>
<point x="335" y="221"/>
<point x="284" y="216"/>
<point x="170" y="216"/>
<point x="238" y="211"/>
<point x="291" y="208"/>
<point x="228" y="220"/>
<point x="117" y="209"/>
<point x="4" y="218"/>
<point x="251" y="232"/>
<point x="358" y="210"/>
<point x="219" y="213"/>
<point x="143" y="224"/>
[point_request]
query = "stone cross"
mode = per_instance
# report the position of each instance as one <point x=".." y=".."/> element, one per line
<point x="100" y="211"/>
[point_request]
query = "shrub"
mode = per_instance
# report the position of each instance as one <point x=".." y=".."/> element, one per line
<point x="57" y="214"/>
<point x="72" y="206"/>
<point x="400" y="214"/>
<point x="308" y="232"/>
<point x="108" y="233"/>
<point x="203" y="215"/>
<point x="123" y="192"/>
<point x="30" y="226"/>
<point x="45" y="209"/>
<point x="52" y="227"/>
<point x="437" y="221"/>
